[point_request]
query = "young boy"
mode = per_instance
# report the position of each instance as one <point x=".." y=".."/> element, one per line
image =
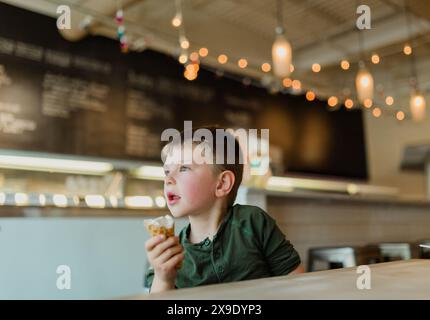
<point x="223" y="242"/>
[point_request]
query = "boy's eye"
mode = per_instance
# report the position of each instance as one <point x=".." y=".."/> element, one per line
<point x="184" y="168"/>
<point x="166" y="172"/>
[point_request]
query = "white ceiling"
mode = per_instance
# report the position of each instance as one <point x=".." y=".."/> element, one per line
<point x="321" y="31"/>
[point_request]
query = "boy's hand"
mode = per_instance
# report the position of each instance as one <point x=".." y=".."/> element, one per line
<point x="163" y="255"/>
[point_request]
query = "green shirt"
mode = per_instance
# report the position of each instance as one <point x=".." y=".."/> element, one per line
<point x="248" y="245"/>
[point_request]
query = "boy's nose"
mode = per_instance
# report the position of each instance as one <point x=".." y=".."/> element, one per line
<point x="169" y="180"/>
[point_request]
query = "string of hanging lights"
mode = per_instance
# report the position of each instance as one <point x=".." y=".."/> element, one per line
<point x="191" y="62"/>
<point x="295" y="86"/>
<point x="278" y="73"/>
<point x="282" y="67"/>
<point x="368" y="103"/>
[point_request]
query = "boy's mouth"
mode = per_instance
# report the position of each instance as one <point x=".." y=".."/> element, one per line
<point x="172" y="198"/>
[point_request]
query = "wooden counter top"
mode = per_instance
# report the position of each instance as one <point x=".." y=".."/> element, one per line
<point x="393" y="280"/>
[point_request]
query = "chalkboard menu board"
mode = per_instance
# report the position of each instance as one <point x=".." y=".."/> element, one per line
<point x="87" y="98"/>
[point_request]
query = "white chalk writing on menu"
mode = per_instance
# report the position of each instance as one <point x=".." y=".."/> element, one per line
<point x="170" y="87"/>
<point x="58" y="58"/>
<point x="62" y="95"/>
<point x="54" y="57"/>
<point x="29" y="51"/>
<point x="7" y="46"/>
<point x="142" y="106"/>
<point x="140" y="141"/>
<point x="4" y="78"/>
<point x="10" y="123"/>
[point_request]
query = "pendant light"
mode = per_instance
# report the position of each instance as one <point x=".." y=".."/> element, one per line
<point x="417" y="102"/>
<point x="364" y="83"/>
<point x="281" y="48"/>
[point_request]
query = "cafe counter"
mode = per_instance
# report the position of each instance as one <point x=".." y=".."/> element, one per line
<point x="393" y="280"/>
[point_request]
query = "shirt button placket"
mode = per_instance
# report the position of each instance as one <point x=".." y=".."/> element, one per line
<point x="217" y="258"/>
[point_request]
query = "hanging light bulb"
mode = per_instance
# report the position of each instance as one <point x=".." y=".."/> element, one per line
<point x="190" y="74"/>
<point x="194" y="56"/>
<point x="364" y="84"/>
<point x="222" y="58"/>
<point x="297" y="85"/>
<point x="375" y="58"/>
<point x="192" y="68"/>
<point x="281" y="56"/>
<point x="287" y="82"/>
<point x="400" y="115"/>
<point x="332" y="101"/>
<point x="183" y="58"/>
<point x="377" y="112"/>
<point x="310" y="95"/>
<point x="417" y="104"/>
<point x="407" y="49"/>
<point x="183" y="41"/>
<point x="177" y="20"/>
<point x="281" y="49"/>
<point x="344" y="64"/>
<point x="368" y="103"/>
<point x="349" y="104"/>
<point x="389" y="100"/>
<point x="265" y="67"/>
<point x="316" y="67"/>
<point x="242" y="63"/>
<point x="203" y="52"/>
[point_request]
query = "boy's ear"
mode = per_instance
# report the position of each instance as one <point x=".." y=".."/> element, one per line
<point x="225" y="183"/>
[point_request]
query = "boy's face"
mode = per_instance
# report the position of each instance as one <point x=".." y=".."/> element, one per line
<point x="189" y="189"/>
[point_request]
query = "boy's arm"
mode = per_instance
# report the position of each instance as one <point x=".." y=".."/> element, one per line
<point x="153" y="284"/>
<point x="280" y="254"/>
<point x="160" y="286"/>
<point x="299" y="269"/>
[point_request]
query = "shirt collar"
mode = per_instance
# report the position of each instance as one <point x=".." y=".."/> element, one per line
<point x="221" y="228"/>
